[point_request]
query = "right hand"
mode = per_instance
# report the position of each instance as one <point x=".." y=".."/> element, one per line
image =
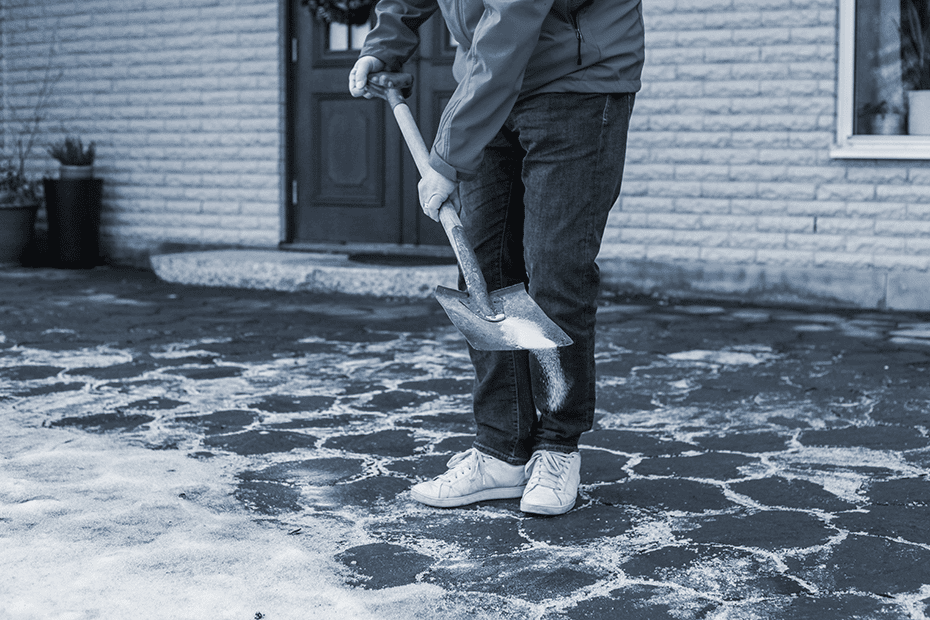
<point x="358" y="78"/>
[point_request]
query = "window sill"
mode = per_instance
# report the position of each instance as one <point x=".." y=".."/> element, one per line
<point x="882" y="147"/>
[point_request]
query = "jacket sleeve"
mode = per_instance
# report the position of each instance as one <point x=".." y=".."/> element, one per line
<point x="394" y="38"/>
<point x="495" y="63"/>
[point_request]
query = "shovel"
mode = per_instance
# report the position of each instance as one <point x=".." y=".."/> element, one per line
<point x="504" y="320"/>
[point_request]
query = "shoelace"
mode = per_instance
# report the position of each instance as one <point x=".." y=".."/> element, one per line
<point x="459" y="465"/>
<point x="548" y="468"/>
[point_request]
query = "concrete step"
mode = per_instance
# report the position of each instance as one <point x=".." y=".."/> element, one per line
<point x="299" y="271"/>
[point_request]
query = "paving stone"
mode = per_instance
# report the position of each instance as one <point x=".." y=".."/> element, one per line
<point x="289" y="403"/>
<point x="420" y="467"/>
<point x="394" y="400"/>
<point x="219" y="422"/>
<point x="382" y="565"/>
<point x="873" y="437"/>
<point x="340" y="421"/>
<point x="458" y="443"/>
<point x="579" y="526"/>
<point x="600" y="466"/>
<point x="260" y="442"/>
<point x="616" y="400"/>
<point x="118" y="371"/>
<point x="634" y="602"/>
<point x="54" y="388"/>
<point x="783" y="493"/>
<point x="744" y="442"/>
<point x="102" y="422"/>
<point x="268" y="497"/>
<point x="311" y="472"/>
<point x="521" y="577"/>
<point x="632" y="442"/>
<point x="838" y="607"/>
<point x="901" y="492"/>
<point x="442" y="422"/>
<point x="440" y="386"/>
<point x="365" y="492"/>
<point x="910" y="523"/>
<point x="29" y="373"/>
<point x="155" y="404"/>
<point x="716" y="572"/>
<point x="769" y="530"/>
<point x="212" y="372"/>
<point x="667" y="494"/>
<point x="476" y="535"/>
<point x="875" y="565"/>
<point x="383" y="443"/>
<point x="714" y="465"/>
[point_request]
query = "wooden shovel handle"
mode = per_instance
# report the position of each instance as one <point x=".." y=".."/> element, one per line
<point x="448" y="213"/>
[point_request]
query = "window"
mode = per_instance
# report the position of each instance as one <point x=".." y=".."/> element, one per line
<point x="884" y="80"/>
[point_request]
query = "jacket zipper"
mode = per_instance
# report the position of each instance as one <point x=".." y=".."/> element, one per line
<point x="573" y="17"/>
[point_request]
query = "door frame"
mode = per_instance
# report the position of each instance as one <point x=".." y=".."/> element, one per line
<point x="290" y="155"/>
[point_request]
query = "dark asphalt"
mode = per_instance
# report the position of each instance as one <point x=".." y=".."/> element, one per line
<point x="746" y="462"/>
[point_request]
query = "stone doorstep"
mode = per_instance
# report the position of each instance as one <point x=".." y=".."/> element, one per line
<point x="769" y="285"/>
<point x="759" y="284"/>
<point x="300" y="271"/>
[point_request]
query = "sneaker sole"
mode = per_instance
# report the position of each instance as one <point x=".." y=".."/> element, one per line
<point x="464" y="500"/>
<point x="546" y="510"/>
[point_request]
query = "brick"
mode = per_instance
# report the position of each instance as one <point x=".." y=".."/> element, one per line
<point x="732" y="223"/>
<point x="785" y="224"/>
<point x="875" y="244"/>
<point x="700" y="238"/>
<point x="760" y="241"/>
<point x="816" y="242"/>
<point x="701" y="205"/>
<point x="624" y="251"/>
<point x="672" y="253"/>
<point x="728" y="255"/>
<point x="875" y="210"/>
<point x="843" y="260"/>
<point x="673" y="221"/>
<point x="794" y="191"/>
<point x="913" y="193"/>
<point x="903" y="228"/>
<point x="844" y="225"/>
<point x="901" y="261"/>
<point x="687" y="172"/>
<point x="646" y="236"/>
<point x="728" y="190"/>
<point x="846" y="191"/>
<point x="784" y="257"/>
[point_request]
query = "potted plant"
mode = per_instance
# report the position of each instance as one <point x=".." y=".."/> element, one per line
<point x="76" y="161"/>
<point x="73" y="205"/>
<point x="19" y="201"/>
<point x="882" y="119"/>
<point x="915" y="64"/>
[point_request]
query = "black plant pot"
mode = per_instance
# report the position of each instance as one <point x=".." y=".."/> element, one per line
<point x="73" y="207"/>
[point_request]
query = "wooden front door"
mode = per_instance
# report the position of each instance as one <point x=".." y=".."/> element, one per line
<point x="352" y="180"/>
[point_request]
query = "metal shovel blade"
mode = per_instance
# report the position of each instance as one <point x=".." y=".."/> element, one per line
<point x="524" y="326"/>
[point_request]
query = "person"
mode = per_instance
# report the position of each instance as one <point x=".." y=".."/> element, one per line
<point x="531" y="145"/>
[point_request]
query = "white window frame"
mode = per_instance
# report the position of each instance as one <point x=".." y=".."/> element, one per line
<point x="849" y="146"/>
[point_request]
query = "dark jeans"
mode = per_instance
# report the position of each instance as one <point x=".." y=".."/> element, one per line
<point x="536" y="213"/>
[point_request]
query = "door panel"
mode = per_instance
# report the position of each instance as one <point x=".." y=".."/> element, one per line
<point x="353" y="180"/>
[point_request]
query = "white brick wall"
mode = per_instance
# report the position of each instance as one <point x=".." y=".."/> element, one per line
<point x="184" y="99"/>
<point x="728" y="151"/>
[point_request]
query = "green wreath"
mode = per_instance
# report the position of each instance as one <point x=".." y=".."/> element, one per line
<point x="351" y="12"/>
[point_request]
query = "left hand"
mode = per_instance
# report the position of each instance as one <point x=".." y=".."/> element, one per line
<point x="433" y="190"/>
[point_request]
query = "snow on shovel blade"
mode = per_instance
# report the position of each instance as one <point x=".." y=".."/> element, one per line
<point x="525" y="325"/>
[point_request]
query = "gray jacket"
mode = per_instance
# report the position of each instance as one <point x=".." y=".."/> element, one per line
<point x="511" y="49"/>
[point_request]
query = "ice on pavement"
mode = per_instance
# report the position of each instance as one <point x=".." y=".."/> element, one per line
<point x="159" y="535"/>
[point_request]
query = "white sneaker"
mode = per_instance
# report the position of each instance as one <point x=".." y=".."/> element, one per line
<point x="472" y="477"/>
<point x="553" y="486"/>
